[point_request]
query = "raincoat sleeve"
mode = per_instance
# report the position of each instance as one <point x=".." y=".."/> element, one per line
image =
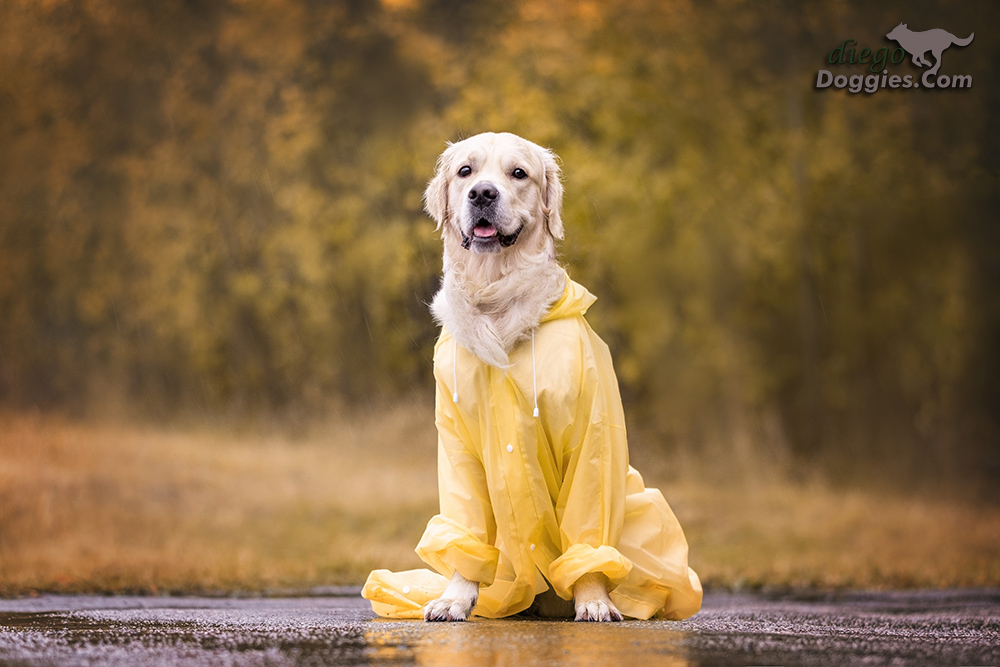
<point x="461" y="537"/>
<point x="591" y="504"/>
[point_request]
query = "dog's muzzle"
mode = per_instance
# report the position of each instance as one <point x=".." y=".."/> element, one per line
<point x="485" y="233"/>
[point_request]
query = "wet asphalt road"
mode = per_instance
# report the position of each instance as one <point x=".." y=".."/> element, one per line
<point x="912" y="628"/>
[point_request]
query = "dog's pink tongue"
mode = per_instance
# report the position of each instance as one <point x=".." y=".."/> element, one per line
<point x="484" y="231"/>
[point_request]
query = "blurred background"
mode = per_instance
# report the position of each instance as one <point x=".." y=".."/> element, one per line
<point x="215" y="348"/>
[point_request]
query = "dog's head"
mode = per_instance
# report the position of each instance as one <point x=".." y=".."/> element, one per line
<point x="493" y="191"/>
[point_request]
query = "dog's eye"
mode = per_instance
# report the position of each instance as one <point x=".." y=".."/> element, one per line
<point x="465" y="171"/>
<point x="519" y="173"/>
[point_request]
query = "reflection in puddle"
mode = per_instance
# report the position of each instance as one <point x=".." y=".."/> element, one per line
<point x="522" y="643"/>
<point x="316" y="636"/>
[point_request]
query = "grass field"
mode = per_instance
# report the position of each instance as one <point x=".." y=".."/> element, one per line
<point x="91" y="507"/>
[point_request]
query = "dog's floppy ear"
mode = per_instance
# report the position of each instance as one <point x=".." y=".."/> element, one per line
<point x="436" y="194"/>
<point x="553" y="195"/>
<point x="436" y="198"/>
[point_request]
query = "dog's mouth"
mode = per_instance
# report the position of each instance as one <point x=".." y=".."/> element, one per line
<point x="486" y="236"/>
<point x="484" y="229"/>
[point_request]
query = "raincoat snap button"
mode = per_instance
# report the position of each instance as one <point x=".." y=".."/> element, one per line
<point x="406" y="589"/>
<point x="510" y="448"/>
<point x="532" y="547"/>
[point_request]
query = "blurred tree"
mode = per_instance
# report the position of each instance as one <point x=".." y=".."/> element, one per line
<point x="219" y="206"/>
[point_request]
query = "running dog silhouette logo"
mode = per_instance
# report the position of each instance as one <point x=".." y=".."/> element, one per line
<point x="915" y="43"/>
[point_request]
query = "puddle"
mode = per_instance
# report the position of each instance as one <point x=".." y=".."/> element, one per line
<point x="915" y="629"/>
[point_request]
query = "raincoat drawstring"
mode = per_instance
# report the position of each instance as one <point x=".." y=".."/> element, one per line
<point x="534" y="381"/>
<point x="454" y="366"/>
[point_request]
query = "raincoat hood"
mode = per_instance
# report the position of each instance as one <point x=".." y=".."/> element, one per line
<point x="575" y="300"/>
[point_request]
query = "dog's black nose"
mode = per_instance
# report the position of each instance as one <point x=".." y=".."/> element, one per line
<point x="482" y="194"/>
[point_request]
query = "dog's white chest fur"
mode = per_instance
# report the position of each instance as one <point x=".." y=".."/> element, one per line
<point x="490" y="320"/>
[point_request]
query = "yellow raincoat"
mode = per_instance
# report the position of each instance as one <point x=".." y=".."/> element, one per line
<point x="531" y="501"/>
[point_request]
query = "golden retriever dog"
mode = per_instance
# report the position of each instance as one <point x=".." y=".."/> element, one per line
<point x="540" y="511"/>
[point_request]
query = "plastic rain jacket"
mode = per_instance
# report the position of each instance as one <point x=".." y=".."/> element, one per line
<point x="531" y="501"/>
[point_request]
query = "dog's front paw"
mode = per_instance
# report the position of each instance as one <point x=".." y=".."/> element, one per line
<point x="591" y="599"/>
<point x="449" y="609"/>
<point x="597" y="610"/>
<point x="456" y="603"/>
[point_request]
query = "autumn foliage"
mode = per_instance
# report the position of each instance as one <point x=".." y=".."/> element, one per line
<point x="216" y="206"/>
